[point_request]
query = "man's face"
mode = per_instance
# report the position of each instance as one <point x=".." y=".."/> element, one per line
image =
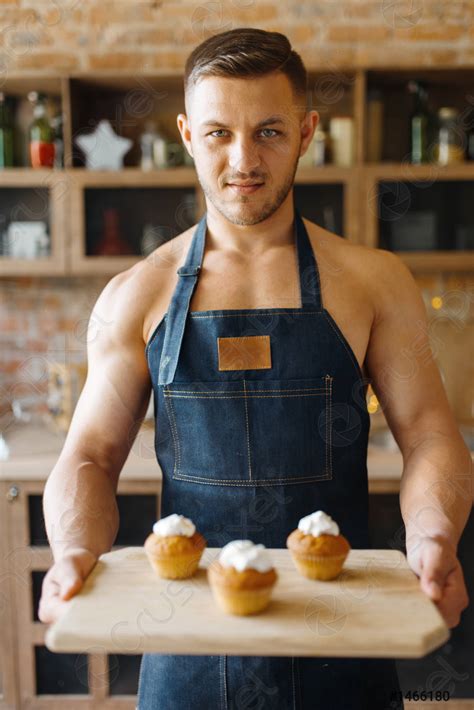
<point x="246" y="131"/>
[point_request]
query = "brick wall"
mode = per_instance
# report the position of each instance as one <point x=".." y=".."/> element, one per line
<point x="42" y="320"/>
<point x="129" y="34"/>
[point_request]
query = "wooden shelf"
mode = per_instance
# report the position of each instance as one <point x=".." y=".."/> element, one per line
<point x="128" y="100"/>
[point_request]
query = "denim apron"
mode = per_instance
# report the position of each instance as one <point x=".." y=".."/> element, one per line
<point x="246" y="453"/>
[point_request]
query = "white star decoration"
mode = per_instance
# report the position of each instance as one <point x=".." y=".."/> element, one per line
<point x="104" y="149"/>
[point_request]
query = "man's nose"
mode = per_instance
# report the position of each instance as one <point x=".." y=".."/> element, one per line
<point x="244" y="156"/>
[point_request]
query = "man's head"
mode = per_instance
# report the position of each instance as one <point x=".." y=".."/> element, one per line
<point x="246" y="120"/>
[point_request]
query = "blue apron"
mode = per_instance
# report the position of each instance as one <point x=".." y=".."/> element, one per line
<point x="246" y="453"/>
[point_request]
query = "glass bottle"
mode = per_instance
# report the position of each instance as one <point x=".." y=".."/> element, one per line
<point x="111" y="242"/>
<point x="41" y="134"/>
<point x="419" y="123"/>
<point x="6" y="133"/>
<point x="450" y="143"/>
<point x="147" y="140"/>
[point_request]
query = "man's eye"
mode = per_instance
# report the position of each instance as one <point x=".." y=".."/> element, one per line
<point x="218" y="130"/>
<point x="221" y="130"/>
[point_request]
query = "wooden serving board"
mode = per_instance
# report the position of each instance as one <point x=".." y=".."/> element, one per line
<point x="375" y="608"/>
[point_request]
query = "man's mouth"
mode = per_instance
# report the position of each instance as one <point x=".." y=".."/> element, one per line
<point x="245" y="188"/>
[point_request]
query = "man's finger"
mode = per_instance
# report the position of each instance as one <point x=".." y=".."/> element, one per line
<point x="70" y="586"/>
<point x="435" y="568"/>
<point x="51" y="608"/>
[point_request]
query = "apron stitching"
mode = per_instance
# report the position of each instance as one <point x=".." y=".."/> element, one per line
<point x="248" y="432"/>
<point x="222" y="663"/>
<point x="246" y="395"/>
<point x="173" y="393"/>
<point x="355" y="364"/>
<point x="330" y="427"/>
<point x="174" y="434"/>
<point x="255" y="311"/>
<point x="233" y="482"/>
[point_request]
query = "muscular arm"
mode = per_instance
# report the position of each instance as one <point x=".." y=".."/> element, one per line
<point x="79" y="499"/>
<point x="436" y="490"/>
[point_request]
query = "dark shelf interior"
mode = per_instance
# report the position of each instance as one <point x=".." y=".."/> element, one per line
<point x="446" y="87"/>
<point x="60" y="673"/>
<point x="323" y="204"/>
<point x="169" y="211"/>
<point x="22" y="204"/>
<point x="426" y="216"/>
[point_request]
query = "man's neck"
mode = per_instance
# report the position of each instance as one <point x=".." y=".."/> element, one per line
<point x="275" y="231"/>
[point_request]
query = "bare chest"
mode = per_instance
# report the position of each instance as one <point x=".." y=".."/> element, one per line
<point x="274" y="283"/>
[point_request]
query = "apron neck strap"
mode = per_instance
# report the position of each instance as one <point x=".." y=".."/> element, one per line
<point x="188" y="273"/>
<point x="310" y="285"/>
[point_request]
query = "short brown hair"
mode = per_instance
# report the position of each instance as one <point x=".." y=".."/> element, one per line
<point x="246" y="52"/>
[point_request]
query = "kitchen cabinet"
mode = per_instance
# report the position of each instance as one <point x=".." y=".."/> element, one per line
<point x="47" y="680"/>
<point x="33" y="676"/>
<point x="32" y="196"/>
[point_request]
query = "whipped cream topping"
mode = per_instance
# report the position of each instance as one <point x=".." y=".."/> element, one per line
<point x="244" y="554"/>
<point x="318" y="523"/>
<point x="174" y="524"/>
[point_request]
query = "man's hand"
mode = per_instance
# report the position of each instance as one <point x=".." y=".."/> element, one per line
<point x="435" y="562"/>
<point x="63" y="580"/>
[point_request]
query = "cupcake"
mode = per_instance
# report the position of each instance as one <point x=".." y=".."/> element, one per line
<point x="242" y="578"/>
<point x="317" y="547"/>
<point x="174" y="548"/>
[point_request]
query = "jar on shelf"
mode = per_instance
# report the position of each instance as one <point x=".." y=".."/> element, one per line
<point x="450" y="142"/>
<point x="341" y="132"/>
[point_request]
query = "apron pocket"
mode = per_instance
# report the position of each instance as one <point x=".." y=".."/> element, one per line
<point x="251" y="432"/>
<point x="290" y="430"/>
<point x="208" y="428"/>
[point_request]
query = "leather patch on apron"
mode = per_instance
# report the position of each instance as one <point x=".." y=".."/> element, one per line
<point x="250" y="352"/>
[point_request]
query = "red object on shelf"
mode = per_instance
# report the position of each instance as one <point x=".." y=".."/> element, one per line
<point x="111" y="243"/>
<point x="42" y="154"/>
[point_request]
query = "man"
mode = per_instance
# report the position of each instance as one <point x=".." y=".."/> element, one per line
<point x="308" y="314"/>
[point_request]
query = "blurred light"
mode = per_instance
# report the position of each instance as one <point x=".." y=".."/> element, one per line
<point x="436" y="302"/>
<point x="373" y="404"/>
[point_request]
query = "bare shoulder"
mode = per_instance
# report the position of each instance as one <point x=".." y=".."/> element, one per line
<point x="375" y="274"/>
<point x="143" y="291"/>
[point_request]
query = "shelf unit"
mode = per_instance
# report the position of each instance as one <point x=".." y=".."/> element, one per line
<point x="129" y="100"/>
<point x="32" y="676"/>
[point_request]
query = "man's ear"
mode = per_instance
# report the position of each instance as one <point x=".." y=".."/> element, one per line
<point x="308" y="126"/>
<point x="185" y="131"/>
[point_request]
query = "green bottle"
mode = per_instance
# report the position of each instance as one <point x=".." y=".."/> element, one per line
<point x="420" y="121"/>
<point x="42" y="146"/>
<point x="6" y="133"/>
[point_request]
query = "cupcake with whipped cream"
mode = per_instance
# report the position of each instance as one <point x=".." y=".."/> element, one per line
<point x="174" y="548"/>
<point x="317" y="547"/>
<point x="242" y="578"/>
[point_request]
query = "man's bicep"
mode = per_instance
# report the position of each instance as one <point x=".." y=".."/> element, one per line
<point x="400" y="363"/>
<point x="117" y="389"/>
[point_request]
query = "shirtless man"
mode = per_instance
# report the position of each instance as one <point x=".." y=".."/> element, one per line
<point x="246" y="128"/>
